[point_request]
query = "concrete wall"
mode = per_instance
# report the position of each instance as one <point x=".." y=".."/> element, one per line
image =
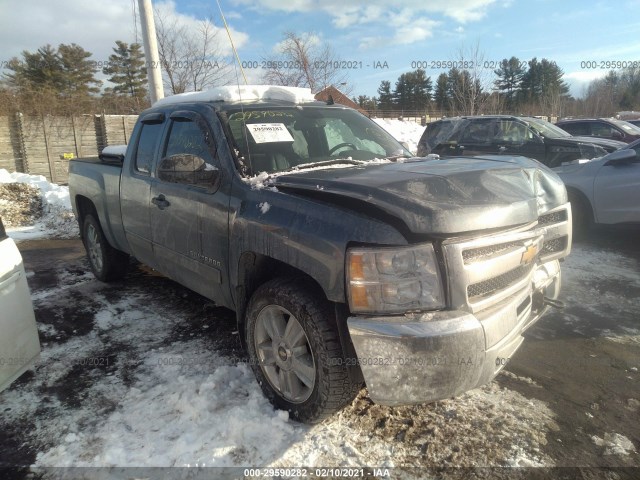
<point x="43" y="145"/>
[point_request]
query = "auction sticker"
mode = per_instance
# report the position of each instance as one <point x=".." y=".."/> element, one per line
<point x="269" y="132"/>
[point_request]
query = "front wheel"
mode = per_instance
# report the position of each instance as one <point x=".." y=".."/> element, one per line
<point x="107" y="263"/>
<point x="295" y="350"/>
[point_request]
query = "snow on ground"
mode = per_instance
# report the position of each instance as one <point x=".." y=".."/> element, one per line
<point x="604" y="284"/>
<point x="403" y="131"/>
<point x="614" y="444"/>
<point x="57" y="218"/>
<point x="133" y="375"/>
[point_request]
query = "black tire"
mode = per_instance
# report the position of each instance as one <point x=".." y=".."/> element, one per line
<point x="107" y="263"/>
<point x="330" y="389"/>
<point x="582" y="216"/>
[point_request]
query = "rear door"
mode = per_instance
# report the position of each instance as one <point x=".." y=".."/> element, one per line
<point x="477" y="137"/>
<point x="19" y="343"/>
<point x="189" y="211"/>
<point x="135" y="187"/>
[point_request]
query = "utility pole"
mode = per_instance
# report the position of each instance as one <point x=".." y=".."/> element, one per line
<point x="154" y="76"/>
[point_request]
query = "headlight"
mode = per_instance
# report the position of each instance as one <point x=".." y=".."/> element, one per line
<point x="393" y="280"/>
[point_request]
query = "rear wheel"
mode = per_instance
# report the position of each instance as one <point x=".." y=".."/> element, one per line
<point x="295" y="350"/>
<point x="107" y="263"/>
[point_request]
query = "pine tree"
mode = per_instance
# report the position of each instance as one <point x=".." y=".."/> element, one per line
<point x="127" y="70"/>
<point x="422" y="88"/>
<point x="66" y="71"/>
<point x="402" y="93"/>
<point x="385" y="97"/>
<point x="441" y="95"/>
<point x="509" y="82"/>
<point x="78" y="72"/>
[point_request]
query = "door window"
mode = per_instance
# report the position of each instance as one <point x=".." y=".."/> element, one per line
<point x="479" y="132"/>
<point x="599" y="129"/>
<point x="189" y="156"/>
<point x="146" y="148"/>
<point x="513" y="133"/>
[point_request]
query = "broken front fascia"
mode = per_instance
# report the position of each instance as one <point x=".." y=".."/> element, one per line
<point x="499" y="286"/>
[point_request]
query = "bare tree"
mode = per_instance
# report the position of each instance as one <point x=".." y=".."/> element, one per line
<point x="302" y="61"/>
<point x="470" y="85"/>
<point x="191" y="59"/>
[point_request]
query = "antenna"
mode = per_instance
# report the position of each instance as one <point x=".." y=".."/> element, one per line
<point x="231" y="40"/>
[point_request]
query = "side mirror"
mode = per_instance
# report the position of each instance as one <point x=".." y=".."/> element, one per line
<point x="621" y="157"/>
<point x="187" y="169"/>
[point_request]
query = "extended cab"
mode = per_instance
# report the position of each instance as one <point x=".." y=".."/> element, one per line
<point x="346" y="260"/>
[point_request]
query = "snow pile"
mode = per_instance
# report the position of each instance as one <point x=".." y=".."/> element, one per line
<point x="238" y="93"/>
<point x="615" y="444"/>
<point x="57" y="218"/>
<point x="403" y="131"/>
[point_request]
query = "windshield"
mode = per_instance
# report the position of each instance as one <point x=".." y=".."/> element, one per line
<point x="276" y="139"/>
<point x="546" y="129"/>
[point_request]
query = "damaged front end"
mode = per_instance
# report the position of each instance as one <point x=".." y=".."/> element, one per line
<point x="498" y="286"/>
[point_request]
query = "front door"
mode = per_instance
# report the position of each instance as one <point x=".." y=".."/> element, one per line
<point x="617" y="192"/>
<point x="189" y="212"/>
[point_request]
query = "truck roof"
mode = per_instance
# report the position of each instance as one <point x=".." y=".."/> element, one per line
<point x="242" y="93"/>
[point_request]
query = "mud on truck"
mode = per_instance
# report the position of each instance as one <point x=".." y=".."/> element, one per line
<point x="347" y="260"/>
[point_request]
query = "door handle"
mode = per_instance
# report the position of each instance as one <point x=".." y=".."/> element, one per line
<point x="502" y="149"/>
<point x="161" y="202"/>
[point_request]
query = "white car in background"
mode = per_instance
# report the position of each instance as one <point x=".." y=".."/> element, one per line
<point x="604" y="190"/>
<point x="19" y="342"/>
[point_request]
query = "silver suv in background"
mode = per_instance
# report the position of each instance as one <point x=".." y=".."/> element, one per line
<point x="604" y="190"/>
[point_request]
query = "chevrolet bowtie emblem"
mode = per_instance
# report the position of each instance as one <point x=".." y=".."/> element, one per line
<point x="529" y="254"/>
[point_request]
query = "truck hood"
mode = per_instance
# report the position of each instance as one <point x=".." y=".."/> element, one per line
<point x="431" y="196"/>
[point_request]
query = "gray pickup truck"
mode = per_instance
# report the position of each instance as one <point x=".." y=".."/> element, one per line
<point x="346" y="260"/>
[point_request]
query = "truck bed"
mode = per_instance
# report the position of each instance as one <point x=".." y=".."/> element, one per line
<point x="98" y="180"/>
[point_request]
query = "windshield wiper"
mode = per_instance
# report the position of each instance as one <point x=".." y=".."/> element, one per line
<point x="394" y="158"/>
<point x="324" y="163"/>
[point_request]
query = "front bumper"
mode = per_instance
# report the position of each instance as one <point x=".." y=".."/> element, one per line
<point x="418" y="358"/>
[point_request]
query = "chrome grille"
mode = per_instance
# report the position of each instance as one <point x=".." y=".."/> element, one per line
<point x="487" y="287"/>
<point x="484" y="252"/>
<point x="555" y="217"/>
<point x="487" y="270"/>
<point x="554" y="245"/>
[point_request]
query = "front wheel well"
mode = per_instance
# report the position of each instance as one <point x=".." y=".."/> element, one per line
<point x="581" y="211"/>
<point x="254" y="270"/>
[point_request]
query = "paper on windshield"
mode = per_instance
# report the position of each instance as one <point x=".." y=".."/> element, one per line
<point x="269" y="132"/>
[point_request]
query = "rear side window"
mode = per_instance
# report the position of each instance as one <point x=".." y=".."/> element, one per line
<point x="577" y="128"/>
<point x="147" y="144"/>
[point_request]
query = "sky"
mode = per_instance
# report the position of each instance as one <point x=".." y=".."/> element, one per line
<point x="375" y="39"/>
